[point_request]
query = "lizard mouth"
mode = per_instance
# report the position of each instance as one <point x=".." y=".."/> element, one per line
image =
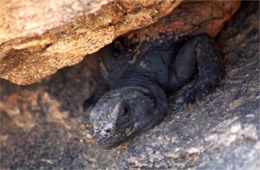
<point x="110" y="145"/>
<point x="121" y="137"/>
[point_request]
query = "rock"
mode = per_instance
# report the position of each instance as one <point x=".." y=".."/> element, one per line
<point x="43" y="124"/>
<point x="37" y="40"/>
<point x="53" y="35"/>
<point x="192" y="18"/>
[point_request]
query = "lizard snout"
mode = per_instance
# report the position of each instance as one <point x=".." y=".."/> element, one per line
<point x="105" y="137"/>
<point x="106" y="132"/>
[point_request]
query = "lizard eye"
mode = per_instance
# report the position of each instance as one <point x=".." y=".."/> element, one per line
<point x="125" y="112"/>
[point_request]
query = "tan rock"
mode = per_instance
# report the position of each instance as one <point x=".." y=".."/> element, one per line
<point x="39" y="37"/>
<point x="191" y="18"/>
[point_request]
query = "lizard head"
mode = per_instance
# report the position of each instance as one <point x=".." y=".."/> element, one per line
<point x="122" y="113"/>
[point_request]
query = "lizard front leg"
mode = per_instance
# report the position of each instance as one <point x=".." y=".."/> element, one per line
<point x="198" y="54"/>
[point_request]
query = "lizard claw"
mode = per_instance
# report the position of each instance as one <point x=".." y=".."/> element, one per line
<point x="190" y="97"/>
<point x="193" y="96"/>
<point x="188" y="106"/>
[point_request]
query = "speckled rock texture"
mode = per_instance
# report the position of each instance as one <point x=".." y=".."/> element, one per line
<point x="43" y="125"/>
<point x="38" y="38"/>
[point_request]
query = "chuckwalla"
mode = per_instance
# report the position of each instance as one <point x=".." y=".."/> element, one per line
<point x="141" y="84"/>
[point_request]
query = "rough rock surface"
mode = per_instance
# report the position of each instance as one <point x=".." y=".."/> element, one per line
<point x="37" y="40"/>
<point x="43" y="125"/>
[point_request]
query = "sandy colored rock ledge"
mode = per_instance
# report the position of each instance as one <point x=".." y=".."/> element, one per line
<point x="39" y="37"/>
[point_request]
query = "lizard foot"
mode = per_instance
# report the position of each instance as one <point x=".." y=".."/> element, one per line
<point x="197" y="93"/>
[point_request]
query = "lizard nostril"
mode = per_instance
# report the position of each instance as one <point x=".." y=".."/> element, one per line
<point x="106" y="132"/>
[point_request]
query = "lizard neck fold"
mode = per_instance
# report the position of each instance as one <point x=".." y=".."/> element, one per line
<point x="143" y="83"/>
<point x="133" y="79"/>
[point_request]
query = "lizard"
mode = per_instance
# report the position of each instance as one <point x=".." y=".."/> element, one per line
<point x="140" y="85"/>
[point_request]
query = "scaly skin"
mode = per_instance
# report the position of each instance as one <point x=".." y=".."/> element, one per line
<point x="137" y="100"/>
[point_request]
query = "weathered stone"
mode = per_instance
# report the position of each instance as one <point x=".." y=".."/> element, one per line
<point x="38" y="38"/>
<point x="193" y="18"/>
<point x="43" y="126"/>
<point x="53" y="35"/>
